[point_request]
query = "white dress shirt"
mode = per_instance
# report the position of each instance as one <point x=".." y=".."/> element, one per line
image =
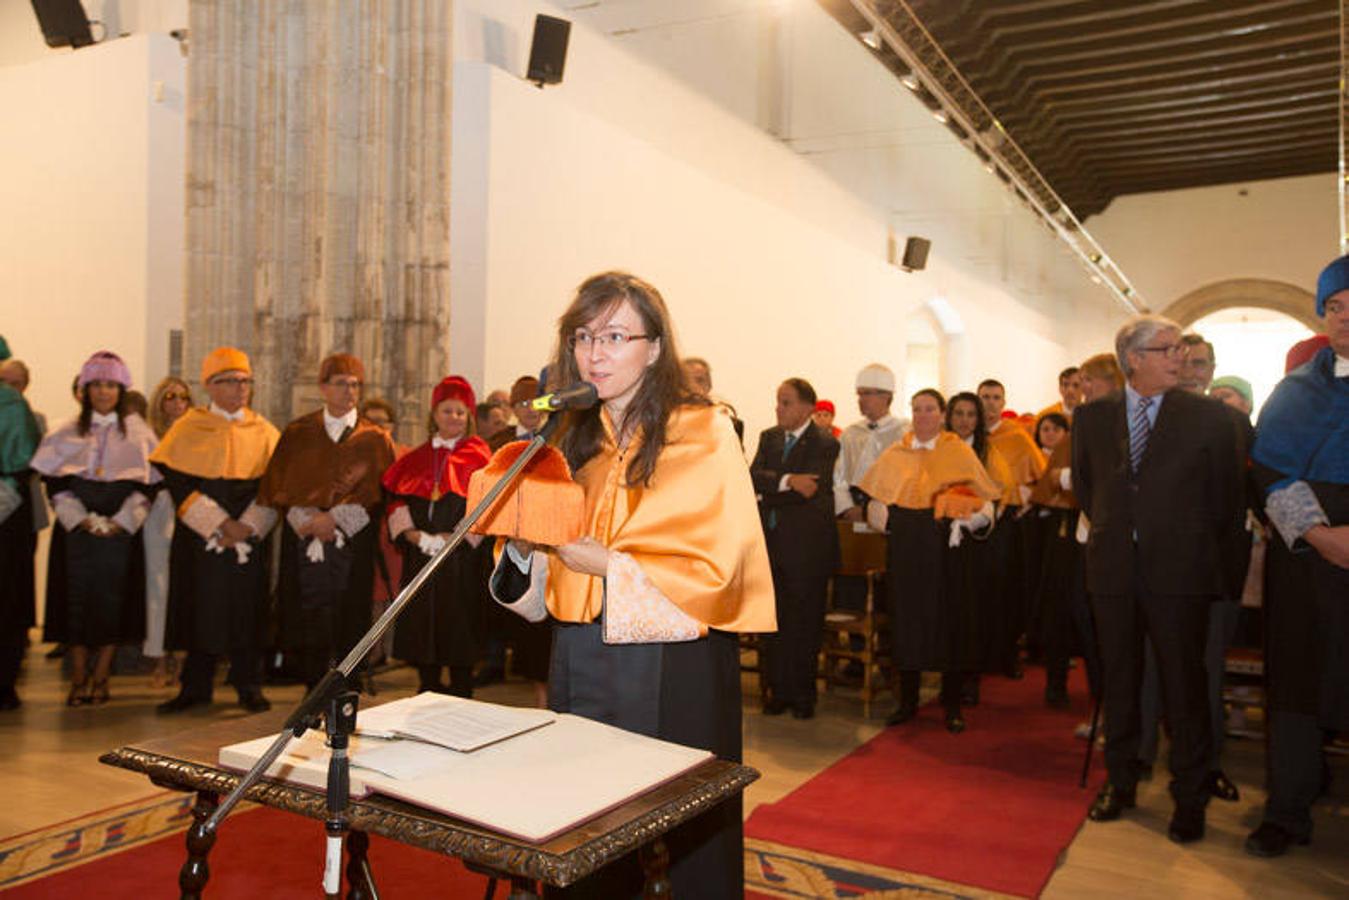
<point x="236" y="416"/>
<point x="336" y="426"/>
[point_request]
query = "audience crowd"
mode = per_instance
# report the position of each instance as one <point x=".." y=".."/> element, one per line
<point x="1115" y="526"/>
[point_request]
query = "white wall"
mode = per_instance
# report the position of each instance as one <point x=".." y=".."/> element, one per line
<point x="772" y="265"/>
<point x="91" y="170"/>
<point x="1173" y="242"/>
<point x="21" y="38"/>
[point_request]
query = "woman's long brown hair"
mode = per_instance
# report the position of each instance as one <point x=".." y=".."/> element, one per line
<point x="662" y="388"/>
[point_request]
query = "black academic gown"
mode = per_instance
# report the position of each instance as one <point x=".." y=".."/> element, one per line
<point x="933" y="591"/>
<point x="1307" y="620"/>
<point x="443" y="625"/>
<point x="216" y="606"/>
<point x="95" y="585"/>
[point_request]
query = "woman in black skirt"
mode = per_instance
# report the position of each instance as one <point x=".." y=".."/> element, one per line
<point x="428" y="489"/>
<point x="101" y="483"/>
<point x="933" y="497"/>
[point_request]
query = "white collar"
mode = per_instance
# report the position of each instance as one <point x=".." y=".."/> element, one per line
<point x="438" y="442"/>
<point x="930" y="444"/>
<point x="797" y="432"/>
<point x="969" y="441"/>
<point x="995" y="426"/>
<point x="236" y="416"/>
<point x="103" y="420"/>
<point x="1341" y="366"/>
<point x="337" y="425"/>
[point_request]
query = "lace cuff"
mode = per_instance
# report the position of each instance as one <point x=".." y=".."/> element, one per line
<point x="400" y="520"/>
<point x="70" y="512"/>
<point x="350" y="517"/>
<point x="1294" y="510"/>
<point x="636" y="612"/>
<point x="131" y="516"/>
<point x="259" y="518"/>
<point x="298" y="517"/>
<point x="202" y="514"/>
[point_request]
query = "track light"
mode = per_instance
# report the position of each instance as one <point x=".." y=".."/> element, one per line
<point x="871" y="38"/>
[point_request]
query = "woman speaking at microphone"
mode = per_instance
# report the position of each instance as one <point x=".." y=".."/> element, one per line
<point x="671" y="565"/>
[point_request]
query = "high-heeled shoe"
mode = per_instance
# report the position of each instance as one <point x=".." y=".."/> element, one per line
<point x="79" y="693"/>
<point x="98" y="694"/>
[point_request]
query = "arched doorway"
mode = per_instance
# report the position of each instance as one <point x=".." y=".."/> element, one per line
<point x="1251" y="342"/>
<point x="934" y="352"/>
<point x="1258" y="293"/>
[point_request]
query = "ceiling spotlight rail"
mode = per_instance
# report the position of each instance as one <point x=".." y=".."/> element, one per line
<point x="894" y="34"/>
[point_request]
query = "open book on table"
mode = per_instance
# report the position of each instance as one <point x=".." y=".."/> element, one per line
<point x="533" y="775"/>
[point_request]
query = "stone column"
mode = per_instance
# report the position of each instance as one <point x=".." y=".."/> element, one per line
<point x="318" y="194"/>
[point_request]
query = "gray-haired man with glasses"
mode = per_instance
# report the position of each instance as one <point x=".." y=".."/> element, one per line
<point x="1158" y="474"/>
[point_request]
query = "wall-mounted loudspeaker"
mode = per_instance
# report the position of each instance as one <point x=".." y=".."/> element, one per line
<point x="915" y="254"/>
<point x="63" y="23"/>
<point x="548" y="52"/>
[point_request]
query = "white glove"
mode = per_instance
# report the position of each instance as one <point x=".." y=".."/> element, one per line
<point x="314" y="551"/>
<point x="970" y="523"/>
<point x="242" y="551"/>
<point x="430" y="544"/>
<point x="99" y="525"/>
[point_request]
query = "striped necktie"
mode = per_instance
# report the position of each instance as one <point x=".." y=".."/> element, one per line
<point x="1139" y="431"/>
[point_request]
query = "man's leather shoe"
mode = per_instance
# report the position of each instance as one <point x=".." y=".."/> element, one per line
<point x="1271" y="840"/>
<point x="1187" y="825"/>
<point x="1220" y="786"/>
<point x="254" y="702"/>
<point x="178" y="704"/>
<point x="1056" y="697"/>
<point x="1111" y="802"/>
<point x="955" y="723"/>
<point x="773" y="707"/>
<point x="901" y="715"/>
<point x="803" y="711"/>
<point x="1143" y="770"/>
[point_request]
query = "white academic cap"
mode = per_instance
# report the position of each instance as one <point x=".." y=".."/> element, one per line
<point x="876" y="377"/>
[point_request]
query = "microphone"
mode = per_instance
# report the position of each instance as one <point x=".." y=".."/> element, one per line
<point x="581" y="395"/>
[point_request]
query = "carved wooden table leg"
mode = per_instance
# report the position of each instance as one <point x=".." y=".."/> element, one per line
<point x="523" y="889"/>
<point x="656" y="864"/>
<point x="360" y="881"/>
<point x="194" y="873"/>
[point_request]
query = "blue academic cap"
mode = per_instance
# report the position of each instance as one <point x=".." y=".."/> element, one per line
<point x="1333" y="279"/>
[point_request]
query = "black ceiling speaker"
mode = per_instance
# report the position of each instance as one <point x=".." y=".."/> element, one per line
<point x="63" y="23"/>
<point x="548" y="52"/>
<point x="915" y="254"/>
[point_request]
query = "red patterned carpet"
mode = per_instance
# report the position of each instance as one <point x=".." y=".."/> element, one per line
<point x="992" y="808"/>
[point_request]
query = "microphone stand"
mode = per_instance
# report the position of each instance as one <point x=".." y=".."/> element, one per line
<point x="330" y="698"/>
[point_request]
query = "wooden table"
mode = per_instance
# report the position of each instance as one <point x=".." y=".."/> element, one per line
<point x="187" y="762"/>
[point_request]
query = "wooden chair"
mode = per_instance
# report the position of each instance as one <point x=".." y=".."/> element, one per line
<point x="862" y="554"/>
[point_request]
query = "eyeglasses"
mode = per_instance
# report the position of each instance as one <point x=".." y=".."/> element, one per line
<point x="609" y="340"/>
<point x="1198" y="363"/>
<point x="1170" y="351"/>
<point x="233" y="382"/>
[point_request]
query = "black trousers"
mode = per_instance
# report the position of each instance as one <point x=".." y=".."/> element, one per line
<point x="1178" y="628"/>
<point x="791" y="655"/>
<point x="199" y="673"/>
<point x="1295" y="761"/>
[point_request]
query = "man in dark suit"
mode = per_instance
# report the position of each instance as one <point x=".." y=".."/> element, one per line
<point x="1158" y="475"/>
<point x="792" y="472"/>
